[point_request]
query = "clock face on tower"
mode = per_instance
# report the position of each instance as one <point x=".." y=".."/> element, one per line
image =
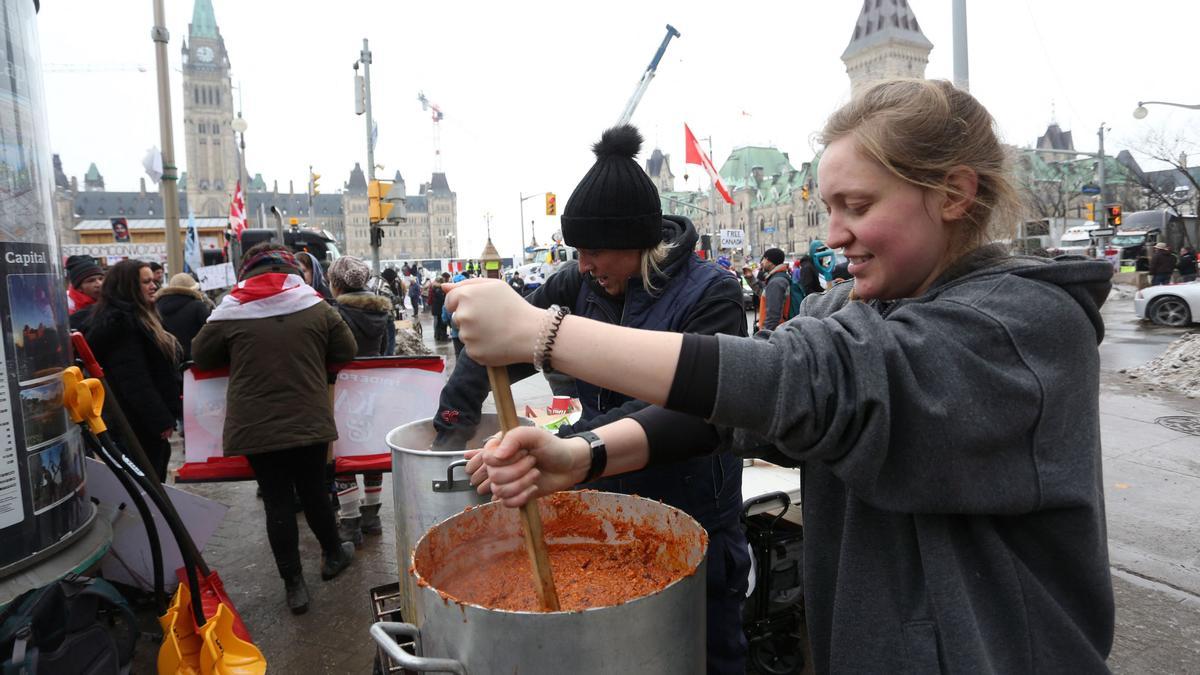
<point x="205" y="54"/>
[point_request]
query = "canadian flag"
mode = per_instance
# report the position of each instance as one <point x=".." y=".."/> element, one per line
<point x="237" y="212"/>
<point x="694" y="155"/>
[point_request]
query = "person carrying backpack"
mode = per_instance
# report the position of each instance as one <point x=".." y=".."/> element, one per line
<point x="781" y="295"/>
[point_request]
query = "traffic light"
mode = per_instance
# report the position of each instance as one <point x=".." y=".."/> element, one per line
<point x="377" y="209"/>
<point x="551" y="204"/>
<point x="1113" y="215"/>
<point x="313" y="181"/>
<point x="1091" y="211"/>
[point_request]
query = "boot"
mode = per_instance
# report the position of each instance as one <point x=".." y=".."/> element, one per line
<point x="349" y="530"/>
<point x="297" y="594"/>
<point x="332" y="563"/>
<point x="371" y="524"/>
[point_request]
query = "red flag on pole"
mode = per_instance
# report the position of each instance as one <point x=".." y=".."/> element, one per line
<point x="237" y="212"/>
<point x="694" y="155"/>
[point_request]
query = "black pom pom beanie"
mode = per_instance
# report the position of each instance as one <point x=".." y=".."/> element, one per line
<point x="616" y="205"/>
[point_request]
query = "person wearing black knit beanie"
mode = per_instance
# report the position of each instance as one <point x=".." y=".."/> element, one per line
<point x="638" y="268"/>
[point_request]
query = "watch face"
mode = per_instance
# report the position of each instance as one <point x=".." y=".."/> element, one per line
<point x="205" y="54"/>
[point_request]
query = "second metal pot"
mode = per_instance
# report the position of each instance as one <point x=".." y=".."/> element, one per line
<point x="427" y="487"/>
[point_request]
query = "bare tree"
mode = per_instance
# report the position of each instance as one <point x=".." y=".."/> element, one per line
<point x="1171" y="148"/>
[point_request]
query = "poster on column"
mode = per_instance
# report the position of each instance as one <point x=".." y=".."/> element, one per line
<point x="42" y="478"/>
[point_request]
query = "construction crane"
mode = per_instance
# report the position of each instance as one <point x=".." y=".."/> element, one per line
<point x="436" y="115"/>
<point x="92" y="68"/>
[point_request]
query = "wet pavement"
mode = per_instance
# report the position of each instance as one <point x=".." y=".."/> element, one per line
<point x="1152" y="478"/>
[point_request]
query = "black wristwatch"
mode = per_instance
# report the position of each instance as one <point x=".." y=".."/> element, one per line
<point x="599" y="455"/>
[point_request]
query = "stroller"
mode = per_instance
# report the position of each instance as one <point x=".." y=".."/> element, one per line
<point x="773" y="618"/>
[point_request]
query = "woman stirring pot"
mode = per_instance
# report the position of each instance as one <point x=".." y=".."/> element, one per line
<point x="943" y="407"/>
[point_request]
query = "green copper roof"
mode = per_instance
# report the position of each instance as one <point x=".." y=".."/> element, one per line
<point x="737" y="169"/>
<point x="204" y="22"/>
<point x="92" y="173"/>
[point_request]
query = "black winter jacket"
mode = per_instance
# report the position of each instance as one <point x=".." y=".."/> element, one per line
<point x="708" y="488"/>
<point x="183" y="313"/>
<point x="146" y="383"/>
<point x="367" y="315"/>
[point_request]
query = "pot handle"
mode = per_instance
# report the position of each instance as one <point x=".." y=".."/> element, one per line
<point x="451" y="485"/>
<point x="383" y="632"/>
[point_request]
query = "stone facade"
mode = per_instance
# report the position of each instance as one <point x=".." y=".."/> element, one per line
<point x="887" y="43"/>
<point x="210" y="148"/>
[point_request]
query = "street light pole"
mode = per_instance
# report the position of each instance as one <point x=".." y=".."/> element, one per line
<point x="364" y="58"/>
<point x="1100" y="171"/>
<point x="523" y="198"/>
<point x="1140" y="111"/>
<point x="169" y="185"/>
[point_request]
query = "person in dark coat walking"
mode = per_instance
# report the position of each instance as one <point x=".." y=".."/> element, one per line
<point x="437" y="300"/>
<point x="638" y="268"/>
<point x="367" y="314"/>
<point x="1162" y="265"/>
<point x="140" y="358"/>
<point x="278" y="339"/>
<point x="183" y="310"/>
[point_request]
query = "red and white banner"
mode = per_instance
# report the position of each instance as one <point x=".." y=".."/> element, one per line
<point x="695" y="155"/>
<point x="237" y="212"/>
<point x="370" y="398"/>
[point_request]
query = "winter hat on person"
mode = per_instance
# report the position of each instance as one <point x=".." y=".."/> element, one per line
<point x="183" y="280"/>
<point x="774" y="256"/>
<point x="389" y="274"/>
<point x="349" y="273"/>
<point x="1162" y="246"/>
<point x="80" y="268"/>
<point x="616" y="204"/>
<point x="276" y="260"/>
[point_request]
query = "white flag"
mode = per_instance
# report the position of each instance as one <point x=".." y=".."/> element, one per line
<point x="192" y="257"/>
<point x="153" y="164"/>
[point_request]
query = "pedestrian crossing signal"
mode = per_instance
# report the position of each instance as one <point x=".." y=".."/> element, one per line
<point x="551" y="204"/>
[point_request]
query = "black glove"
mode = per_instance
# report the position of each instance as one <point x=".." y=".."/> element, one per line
<point x="454" y="430"/>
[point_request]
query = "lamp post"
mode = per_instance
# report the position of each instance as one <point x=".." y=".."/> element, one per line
<point x="1140" y="111"/>
<point x="169" y="184"/>
<point x="523" y="198"/>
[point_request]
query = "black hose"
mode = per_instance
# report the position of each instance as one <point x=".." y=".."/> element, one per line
<point x="173" y="521"/>
<point x="160" y="593"/>
<point x="112" y="411"/>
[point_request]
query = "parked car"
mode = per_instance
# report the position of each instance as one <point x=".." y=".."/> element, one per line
<point x="1169" y="304"/>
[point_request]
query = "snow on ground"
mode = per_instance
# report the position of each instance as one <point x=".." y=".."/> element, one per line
<point x="1178" y="368"/>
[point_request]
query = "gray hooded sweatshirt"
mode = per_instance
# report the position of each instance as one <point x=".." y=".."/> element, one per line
<point x="950" y="445"/>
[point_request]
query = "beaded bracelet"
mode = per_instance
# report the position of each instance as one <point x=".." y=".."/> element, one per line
<point x="546" y="336"/>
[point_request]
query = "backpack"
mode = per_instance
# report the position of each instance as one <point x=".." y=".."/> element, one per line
<point x="791" y="307"/>
<point x="74" y="625"/>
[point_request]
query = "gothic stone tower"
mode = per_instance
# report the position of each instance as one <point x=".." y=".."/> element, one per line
<point x="212" y="162"/>
<point x="887" y="43"/>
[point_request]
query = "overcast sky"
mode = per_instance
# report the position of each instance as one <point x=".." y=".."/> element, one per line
<point x="526" y="87"/>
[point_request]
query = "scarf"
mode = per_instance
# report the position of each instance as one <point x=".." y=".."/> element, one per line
<point x="77" y="301"/>
<point x="265" y="295"/>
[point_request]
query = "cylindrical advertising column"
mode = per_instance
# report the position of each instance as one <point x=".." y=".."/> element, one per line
<point x="42" y="500"/>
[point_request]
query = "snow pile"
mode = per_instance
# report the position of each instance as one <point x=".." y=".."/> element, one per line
<point x="408" y="343"/>
<point x="1178" y="368"/>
